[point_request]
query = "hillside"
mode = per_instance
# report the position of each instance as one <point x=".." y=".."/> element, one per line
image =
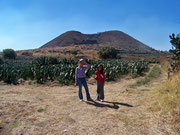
<point x="117" y="39"/>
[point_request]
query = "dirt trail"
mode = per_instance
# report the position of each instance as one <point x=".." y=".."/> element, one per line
<point x="54" y="110"/>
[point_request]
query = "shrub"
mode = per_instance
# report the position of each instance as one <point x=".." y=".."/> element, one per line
<point x="26" y="54"/>
<point x="107" y="52"/>
<point x="1" y="60"/>
<point x="46" y="60"/>
<point x="9" y="54"/>
<point x="74" y="52"/>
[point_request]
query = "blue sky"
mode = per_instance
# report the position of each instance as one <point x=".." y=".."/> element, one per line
<point x="28" y="24"/>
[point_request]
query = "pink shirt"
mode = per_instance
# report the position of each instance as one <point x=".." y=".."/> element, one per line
<point x="80" y="71"/>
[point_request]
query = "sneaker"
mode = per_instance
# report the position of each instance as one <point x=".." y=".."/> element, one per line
<point x="102" y="100"/>
<point x="81" y="100"/>
<point x="89" y="99"/>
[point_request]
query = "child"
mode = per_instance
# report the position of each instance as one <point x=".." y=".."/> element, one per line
<point x="100" y="79"/>
<point x="80" y="79"/>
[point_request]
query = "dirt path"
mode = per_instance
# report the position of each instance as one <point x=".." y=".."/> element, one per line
<point x="40" y="110"/>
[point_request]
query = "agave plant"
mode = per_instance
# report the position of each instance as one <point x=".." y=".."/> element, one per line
<point x="63" y="70"/>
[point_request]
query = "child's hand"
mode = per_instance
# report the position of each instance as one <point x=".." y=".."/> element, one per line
<point x="95" y="76"/>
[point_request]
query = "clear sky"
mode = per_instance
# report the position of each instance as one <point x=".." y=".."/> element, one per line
<point x="28" y="24"/>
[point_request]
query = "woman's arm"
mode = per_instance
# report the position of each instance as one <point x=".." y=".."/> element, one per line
<point x="87" y="66"/>
<point x="104" y="77"/>
<point x="76" y="73"/>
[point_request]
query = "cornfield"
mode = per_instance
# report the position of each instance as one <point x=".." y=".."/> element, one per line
<point x="45" y="69"/>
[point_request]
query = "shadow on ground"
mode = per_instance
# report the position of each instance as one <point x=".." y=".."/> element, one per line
<point x="113" y="105"/>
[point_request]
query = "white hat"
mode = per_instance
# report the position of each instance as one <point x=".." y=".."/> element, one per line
<point x="81" y="60"/>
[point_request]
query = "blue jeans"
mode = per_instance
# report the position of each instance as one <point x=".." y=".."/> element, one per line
<point x="82" y="81"/>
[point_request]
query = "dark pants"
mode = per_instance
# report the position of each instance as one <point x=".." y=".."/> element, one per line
<point x="100" y="91"/>
<point x="82" y="81"/>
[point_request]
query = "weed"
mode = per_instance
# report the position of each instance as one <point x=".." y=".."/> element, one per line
<point x="41" y="110"/>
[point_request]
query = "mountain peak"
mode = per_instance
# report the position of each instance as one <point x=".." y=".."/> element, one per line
<point x="114" y="38"/>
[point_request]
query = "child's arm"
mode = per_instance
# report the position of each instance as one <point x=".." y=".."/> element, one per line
<point x="95" y="76"/>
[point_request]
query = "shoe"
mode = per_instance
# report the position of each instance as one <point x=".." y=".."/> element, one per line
<point x="102" y="100"/>
<point x="81" y="100"/>
<point x="89" y="99"/>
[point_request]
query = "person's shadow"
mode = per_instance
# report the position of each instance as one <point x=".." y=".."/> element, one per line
<point x="113" y="105"/>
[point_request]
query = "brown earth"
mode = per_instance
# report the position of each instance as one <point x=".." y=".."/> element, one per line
<point x="64" y="52"/>
<point x="55" y="110"/>
<point x="83" y="51"/>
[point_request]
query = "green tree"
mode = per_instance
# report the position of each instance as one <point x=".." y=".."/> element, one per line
<point x="1" y="60"/>
<point x="175" y="41"/>
<point x="9" y="54"/>
<point x="107" y="52"/>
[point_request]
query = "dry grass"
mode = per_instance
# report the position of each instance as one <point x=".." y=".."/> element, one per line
<point x="51" y="109"/>
<point x="48" y="109"/>
<point x="167" y="95"/>
<point x="166" y="101"/>
<point x="83" y="51"/>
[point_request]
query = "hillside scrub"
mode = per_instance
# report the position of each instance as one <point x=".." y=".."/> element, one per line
<point x="74" y="52"/>
<point x="107" y="53"/>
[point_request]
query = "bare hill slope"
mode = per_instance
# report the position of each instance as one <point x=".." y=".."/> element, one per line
<point x="117" y="39"/>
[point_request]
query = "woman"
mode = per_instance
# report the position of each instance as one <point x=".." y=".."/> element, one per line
<point x="80" y="79"/>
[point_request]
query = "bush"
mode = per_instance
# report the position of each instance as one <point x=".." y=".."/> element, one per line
<point x="1" y="60"/>
<point x="74" y="52"/>
<point x="26" y="54"/>
<point x="46" y="60"/>
<point x="9" y="54"/>
<point x="107" y="52"/>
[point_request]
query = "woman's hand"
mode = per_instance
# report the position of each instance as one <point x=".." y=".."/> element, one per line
<point x="76" y="84"/>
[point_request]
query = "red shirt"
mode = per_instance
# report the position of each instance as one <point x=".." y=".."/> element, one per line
<point x="100" y="77"/>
